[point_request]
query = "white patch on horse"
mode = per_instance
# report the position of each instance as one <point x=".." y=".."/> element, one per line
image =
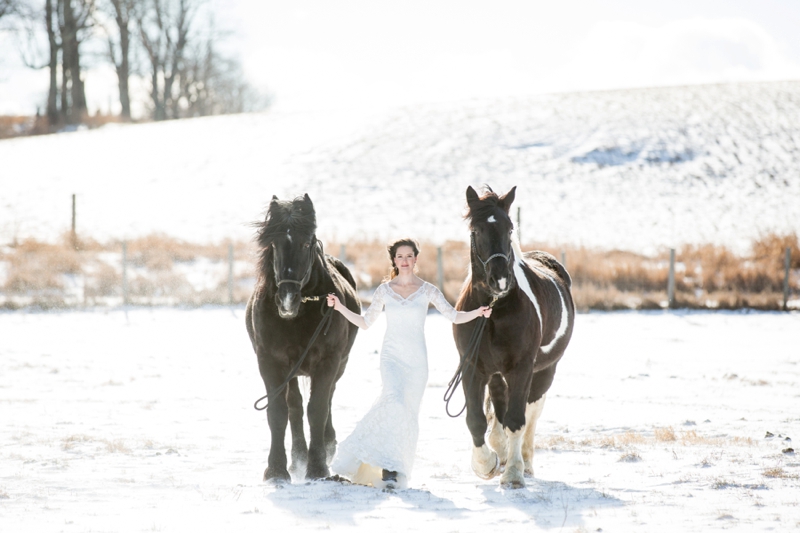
<point x="289" y="236"/>
<point x="502" y="282"/>
<point x="525" y="286"/>
<point x="287" y="301"/>
<point x="522" y="279"/>
<point x="532" y="413"/>
<point x="514" y="474"/>
<point x="562" y="327"/>
<point x="485" y="462"/>
<point x="491" y="219"/>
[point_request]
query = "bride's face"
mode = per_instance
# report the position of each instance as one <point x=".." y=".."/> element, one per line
<point x="404" y="259"/>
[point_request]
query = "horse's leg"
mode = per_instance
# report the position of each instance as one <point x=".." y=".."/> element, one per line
<point x="277" y="417"/>
<point x="514" y="422"/>
<point x="496" y="409"/>
<point x="318" y="414"/>
<point x="299" y="448"/>
<point x="485" y="463"/>
<point x="330" y="433"/>
<point x="540" y="384"/>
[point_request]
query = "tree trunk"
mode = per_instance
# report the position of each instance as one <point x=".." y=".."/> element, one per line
<point x="53" y="118"/>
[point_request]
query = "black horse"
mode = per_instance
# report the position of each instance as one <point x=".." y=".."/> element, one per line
<point x="530" y="327"/>
<point x="281" y="318"/>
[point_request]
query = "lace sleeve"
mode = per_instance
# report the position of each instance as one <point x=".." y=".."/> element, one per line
<point x="375" y="307"/>
<point x="438" y="300"/>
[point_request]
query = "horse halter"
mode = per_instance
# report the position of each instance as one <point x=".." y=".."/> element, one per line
<point x="507" y="256"/>
<point x="315" y="247"/>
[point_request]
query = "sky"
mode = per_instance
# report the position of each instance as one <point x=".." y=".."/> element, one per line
<point x="313" y="54"/>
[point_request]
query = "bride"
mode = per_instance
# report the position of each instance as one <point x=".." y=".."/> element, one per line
<point x="380" y="451"/>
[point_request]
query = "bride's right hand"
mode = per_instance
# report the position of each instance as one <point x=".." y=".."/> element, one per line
<point x="333" y="300"/>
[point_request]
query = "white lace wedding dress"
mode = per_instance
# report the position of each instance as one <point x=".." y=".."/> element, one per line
<point x="386" y="438"/>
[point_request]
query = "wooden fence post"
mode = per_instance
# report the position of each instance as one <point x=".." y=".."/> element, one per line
<point x="671" y="280"/>
<point x="564" y="259"/>
<point x="519" y="225"/>
<point x="124" y="273"/>
<point x="786" y="264"/>
<point x="74" y="234"/>
<point x="230" y="273"/>
<point x="440" y="268"/>
<point x="342" y="250"/>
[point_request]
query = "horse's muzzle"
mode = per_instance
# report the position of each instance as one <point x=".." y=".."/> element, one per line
<point x="288" y="300"/>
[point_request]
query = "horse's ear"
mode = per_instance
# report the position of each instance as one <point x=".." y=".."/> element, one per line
<point x="274" y="199"/>
<point x="472" y="196"/>
<point x="506" y="200"/>
<point x="307" y="199"/>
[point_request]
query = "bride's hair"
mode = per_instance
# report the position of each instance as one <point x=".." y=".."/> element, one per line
<point x="392" y="248"/>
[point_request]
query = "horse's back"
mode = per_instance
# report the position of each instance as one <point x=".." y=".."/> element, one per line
<point x="342" y="269"/>
<point x="549" y="262"/>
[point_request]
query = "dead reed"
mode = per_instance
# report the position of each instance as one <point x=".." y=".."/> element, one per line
<point x="88" y="272"/>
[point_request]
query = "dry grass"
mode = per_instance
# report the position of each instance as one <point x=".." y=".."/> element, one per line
<point x="708" y="277"/>
<point x="625" y="441"/>
<point x="778" y="472"/>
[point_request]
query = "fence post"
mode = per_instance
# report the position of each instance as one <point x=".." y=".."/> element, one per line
<point x="786" y="264"/>
<point x="519" y="224"/>
<point x="342" y="251"/>
<point x="74" y="234"/>
<point x="671" y="280"/>
<point x="564" y="259"/>
<point x="124" y="273"/>
<point x="230" y="273"/>
<point x="440" y="268"/>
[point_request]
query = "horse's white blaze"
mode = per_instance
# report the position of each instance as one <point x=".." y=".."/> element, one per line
<point x="484" y="462"/>
<point x="515" y="468"/>
<point x="502" y="282"/>
<point x="491" y="219"/>
<point x="287" y="301"/>
<point x="288" y="235"/>
<point x="532" y="413"/>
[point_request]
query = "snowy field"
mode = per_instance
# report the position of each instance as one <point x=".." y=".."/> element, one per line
<point x="633" y="169"/>
<point x="142" y="420"/>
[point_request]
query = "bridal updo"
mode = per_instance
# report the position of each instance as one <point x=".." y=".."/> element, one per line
<point x="392" y="248"/>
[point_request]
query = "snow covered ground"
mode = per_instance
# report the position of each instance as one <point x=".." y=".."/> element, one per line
<point x="142" y="420"/>
<point x="634" y="169"/>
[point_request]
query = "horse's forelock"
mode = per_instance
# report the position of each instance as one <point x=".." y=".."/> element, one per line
<point x="296" y="215"/>
<point x="484" y="207"/>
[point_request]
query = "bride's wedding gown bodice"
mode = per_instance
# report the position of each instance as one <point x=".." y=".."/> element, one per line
<point x="386" y="438"/>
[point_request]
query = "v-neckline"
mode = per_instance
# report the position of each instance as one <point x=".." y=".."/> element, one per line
<point x="406" y="297"/>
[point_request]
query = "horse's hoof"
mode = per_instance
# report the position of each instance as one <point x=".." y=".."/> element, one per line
<point x="277" y="475"/>
<point x="319" y="472"/>
<point x="492" y="473"/>
<point x="513" y="484"/>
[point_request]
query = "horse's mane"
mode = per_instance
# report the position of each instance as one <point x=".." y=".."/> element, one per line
<point x="489" y="202"/>
<point x="296" y="215"/>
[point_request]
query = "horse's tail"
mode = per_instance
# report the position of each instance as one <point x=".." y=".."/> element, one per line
<point x="342" y="269"/>
<point x="551" y="263"/>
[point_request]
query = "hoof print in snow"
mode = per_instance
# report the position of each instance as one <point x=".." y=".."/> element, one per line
<point x="339" y="479"/>
<point x="769" y="435"/>
<point x="789" y="451"/>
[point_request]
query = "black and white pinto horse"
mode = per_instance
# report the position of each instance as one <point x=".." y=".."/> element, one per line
<point x="523" y="341"/>
<point x="281" y="319"/>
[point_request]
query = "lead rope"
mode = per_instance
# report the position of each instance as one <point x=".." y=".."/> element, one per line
<point x="327" y="318"/>
<point x="470" y="359"/>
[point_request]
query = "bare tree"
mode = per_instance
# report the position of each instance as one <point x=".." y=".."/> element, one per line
<point x="8" y="7"/>
<point x="123" y="13"/>
<point x="164" y="27"/>
<point x="213" y="83"/>
<point x="74" y="25"/>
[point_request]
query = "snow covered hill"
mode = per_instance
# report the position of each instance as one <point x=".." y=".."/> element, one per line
<point x="633" y="169"/>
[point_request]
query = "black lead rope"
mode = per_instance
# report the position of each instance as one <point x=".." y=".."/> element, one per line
<point x="470" y="359"/>
<point x="327" y="318"/>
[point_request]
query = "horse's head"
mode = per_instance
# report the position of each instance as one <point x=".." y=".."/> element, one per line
<point x="289" y="247"/>
<point x="492" y="256"/>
